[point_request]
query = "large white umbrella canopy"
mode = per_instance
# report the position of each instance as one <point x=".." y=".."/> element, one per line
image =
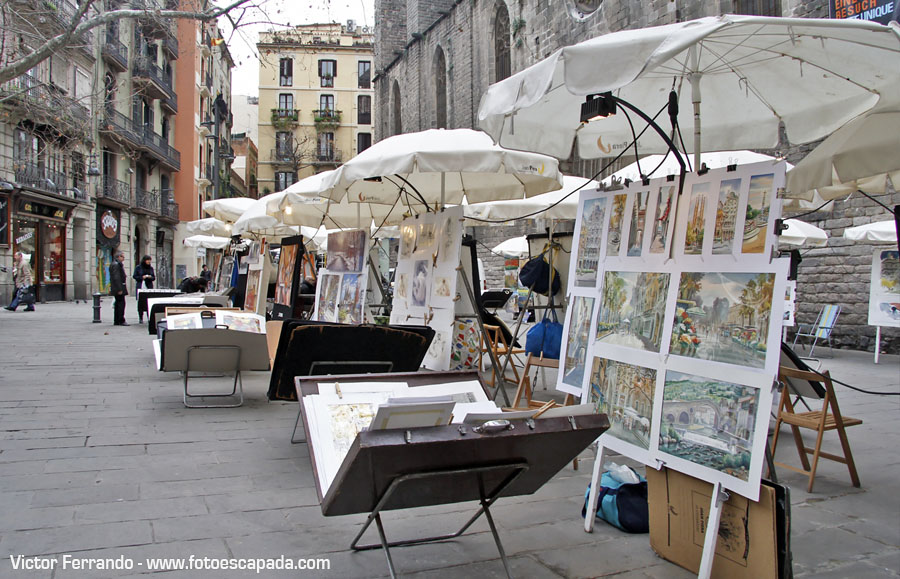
<point x="739" y="75"/>
<point x="560" y="204"/>
<point x="209" y="226"/>
<point x="800" y="233"/>
<point x="207" y="241"/>
<point x="879" y="232"/>
<point x="663" y="165"/>
<point x="227" y="209"/>
<point x="860" y="155"/>
<point x="444" y="165"/>
<point x="516" y="247"/>
<point x="255" y="220"/>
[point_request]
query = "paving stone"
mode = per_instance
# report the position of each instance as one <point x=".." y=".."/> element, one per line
<point x="142" y="509"/>
<point x="64" y="540"/>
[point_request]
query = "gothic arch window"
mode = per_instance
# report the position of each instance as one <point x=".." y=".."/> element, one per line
<point x="440" y="89"/>
<point x="396" y="125"/>
<point x="502" y="66"/>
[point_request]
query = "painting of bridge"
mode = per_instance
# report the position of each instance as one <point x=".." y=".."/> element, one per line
<point x="624" y="392"/>
<point x="709" y="422"/>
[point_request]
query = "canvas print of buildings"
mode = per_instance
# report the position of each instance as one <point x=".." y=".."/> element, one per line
<point x="589" y="238"/>
<point x="286" y="263"/>
<point x="709" y="422"/>
<point x="638" y="224"/>
<point x="577" y="340"/>
<point x="665" y="201"/>
<point x="328" y="296"/>
<point x="624" y="392"/>
<point x="633" y="309"/>
<point x="723" y="317"/>
<point x="726" y="216"/>
<point x="347" y="250"/>
<point x="614" y="238"/>
<point x="696" y="221"/>
<point x="351" y="299"/>
<point x="756" y="218"/>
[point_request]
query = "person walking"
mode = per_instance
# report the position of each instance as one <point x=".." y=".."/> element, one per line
<point x="143" y="279"/>
<point x="118" y="289"/>
<point x="23" y="282"/>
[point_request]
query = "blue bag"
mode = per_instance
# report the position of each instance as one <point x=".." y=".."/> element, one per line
<point x="622" y="505"/>
<point x="546" y="337"/>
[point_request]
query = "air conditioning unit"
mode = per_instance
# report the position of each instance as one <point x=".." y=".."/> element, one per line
<point x="351" y="26"/>
<point x="365" y="30"/>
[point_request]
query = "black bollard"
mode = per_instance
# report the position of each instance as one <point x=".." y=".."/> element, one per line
<point x="97" y="307"/>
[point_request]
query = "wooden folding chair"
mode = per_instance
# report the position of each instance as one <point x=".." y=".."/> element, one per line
<point x="525" y="386"/>
<point x="827" y="418"/>
<point x="494" y="340"/>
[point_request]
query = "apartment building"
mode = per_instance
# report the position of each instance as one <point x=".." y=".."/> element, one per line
<point x="315" y="100"/>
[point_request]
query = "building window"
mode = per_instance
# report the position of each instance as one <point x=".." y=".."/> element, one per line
<point x="365" y="74"/>
<point x="502" y="65"/>
<point x="397" y="125"/>
<point x="4" y="220"/>
<point x="78" y="171"/>
<point x="327" y="72"/>
<point x="286" y="72"/>
<point x="440" y="89"/>
<point x="364" y="109"/>
<point x="363" y="142"/>
<point x="284" y="179"/>
<point x="286" y="101"/>
<point x="326" y="102"/>
<point x="326" y="147"/>
<point x="758" y="7"/>
<point x="284" y="145"/>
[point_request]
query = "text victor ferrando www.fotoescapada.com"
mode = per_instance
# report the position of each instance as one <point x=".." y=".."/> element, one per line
<point x="192" y="563"/>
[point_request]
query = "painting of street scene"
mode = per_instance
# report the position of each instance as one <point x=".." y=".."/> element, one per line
<point x="890" y="272"/>
<point x="350" y="305"/>
<point x="589" y="237"/>
<point x="693" y="234"/>
<point x="624" y="392"/>
<point x="723" y="317"/>
<point x="709" y="422"/>
<point x="632" y="309"/>
<point x="757" y="217"/>
<point x="726" y="215"/>
<point x="347" y="250"/>
<point x="577" y="340"/>
<point x="614" y="238"/>
<point x="328" y="297"/>
<point x="638" y="220"/>
<point x="665" y="200"/>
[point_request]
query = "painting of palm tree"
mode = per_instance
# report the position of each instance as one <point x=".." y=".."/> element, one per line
<point x="723" y="317"/>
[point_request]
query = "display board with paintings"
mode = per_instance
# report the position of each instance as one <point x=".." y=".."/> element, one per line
<point x="674" y="320"/>
<point x="425" y="286"/>
<point x="258" y="272"/>
<point x="341" y="286"/>
<point x="288" y="278"/>
<point x="884" y="291"/>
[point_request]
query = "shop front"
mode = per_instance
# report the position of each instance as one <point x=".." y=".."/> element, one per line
<point x="109" y="220"/>
<point x="39" y="232"/>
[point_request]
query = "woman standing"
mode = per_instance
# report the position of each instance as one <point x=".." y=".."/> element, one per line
<point x="143" y="279"/>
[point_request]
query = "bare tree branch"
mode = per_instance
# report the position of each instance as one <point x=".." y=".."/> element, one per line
<point x="77" y="27"/>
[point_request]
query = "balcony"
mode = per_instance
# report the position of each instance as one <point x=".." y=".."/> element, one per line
<point x="41" y="178"/>
<point x="206" y="175"/>
<point x="43" y="105"/>
<point x="285" y="117"/>
<point x="168" y="209"/>
<point x="281" y="155"/>
<point x="156" y="83"/>
<point x="159" y="147"/>
<point x="146" y="201"/>
<point x="114" y="52"/>
<point x="328" y="158"/>
<point x="170" y="104"/>
<point x="207" y="86"/>
<point x="151" y="25"/>
<point x="114" y="192"/>
<point x="326" y="119"/>
<point x="123" y="128"/>
<point x="170" y="44"/>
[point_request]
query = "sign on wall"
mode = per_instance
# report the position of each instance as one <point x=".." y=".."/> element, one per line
<point x="882" y="11"/>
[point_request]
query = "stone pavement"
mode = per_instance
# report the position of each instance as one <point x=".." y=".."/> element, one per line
<point x="98" y="458"/>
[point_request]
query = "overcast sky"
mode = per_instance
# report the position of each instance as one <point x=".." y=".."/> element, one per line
<point x="279" y="14"/>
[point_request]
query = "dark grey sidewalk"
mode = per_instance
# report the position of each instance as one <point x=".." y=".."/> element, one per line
<point x="98" y="458"/>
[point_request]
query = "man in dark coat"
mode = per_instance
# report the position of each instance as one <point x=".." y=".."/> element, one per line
<point x="118" y="289"/>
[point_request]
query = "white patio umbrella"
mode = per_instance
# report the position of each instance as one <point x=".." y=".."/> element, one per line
<point x="744" y="75"/>
<point x="209" y="226"/>
<point x="207" y="241"/>
<point x="879" y="232"/>
<point x="228" y="209"/>
<point x="800" y="233"/>
<point x="442" y="166"/>
<point x="516" y="247"/>
<point x="560" y="204"/>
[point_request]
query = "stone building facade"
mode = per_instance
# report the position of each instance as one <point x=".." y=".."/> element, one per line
<point x="435" y="58"/>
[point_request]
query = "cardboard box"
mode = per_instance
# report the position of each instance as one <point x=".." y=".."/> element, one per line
<point x="750" y="534"/>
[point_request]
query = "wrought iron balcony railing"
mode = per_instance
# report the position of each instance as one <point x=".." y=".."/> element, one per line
<point x="115" y="190"/>
<point x="146" y="200"/>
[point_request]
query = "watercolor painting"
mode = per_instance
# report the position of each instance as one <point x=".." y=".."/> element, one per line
<point x="347" y="250"/>
<point x="616" y="219"/>
<point x="696" y="219"/>
<point x="578" y="337"/>
<point x="286" y="263"/>
<point x="638" y="224"/>
<point x="329" y="284"/>
<point x="352" y="295"/>
<point x="407" y="239"/>
<point x="590" y="234"/>
<point x="661" y="230"/>
<point x="726" y="216"/>
<point x="756" y="219"/>
<point x="633" y="309"/>
<point x="421" y="281"/>
<point x="625" y="393"/>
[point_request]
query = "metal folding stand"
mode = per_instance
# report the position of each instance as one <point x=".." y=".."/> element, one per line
<point x="237" y="387"/>
<point x="486" y="500"/>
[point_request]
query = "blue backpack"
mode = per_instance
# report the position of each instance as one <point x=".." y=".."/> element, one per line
<point x="622" y="505"/>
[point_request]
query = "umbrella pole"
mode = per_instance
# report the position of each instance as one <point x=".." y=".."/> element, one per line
<point x="443" y="185"/>
<point x="695" y="99"/>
